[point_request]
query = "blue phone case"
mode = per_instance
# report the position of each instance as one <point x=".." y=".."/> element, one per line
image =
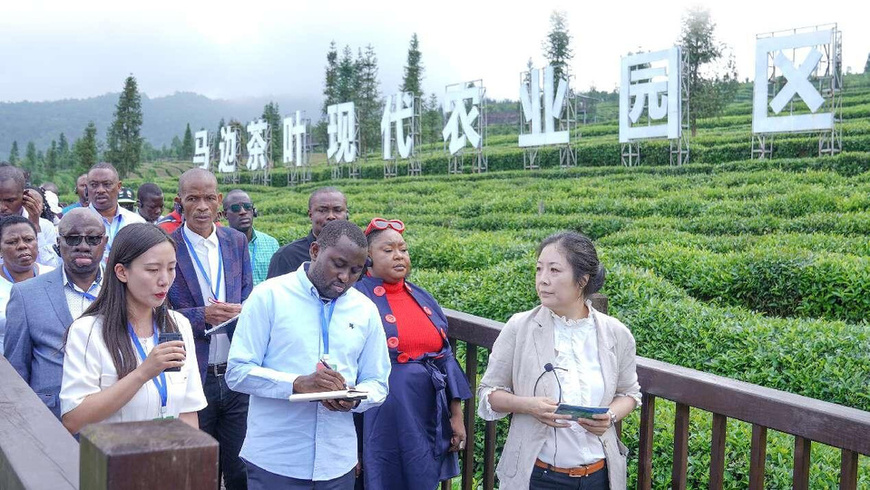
<point x="578" y="412"/>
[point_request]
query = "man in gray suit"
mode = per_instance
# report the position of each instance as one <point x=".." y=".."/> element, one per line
<point x="35" y="330"/>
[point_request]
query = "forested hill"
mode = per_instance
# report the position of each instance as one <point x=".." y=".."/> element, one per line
<point x="164" y="117"/>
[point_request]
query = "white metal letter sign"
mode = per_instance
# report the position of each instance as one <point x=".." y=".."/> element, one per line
<point x="228" y="149"/>
<point x="460" y="126"/>
<point x="397" y="109"/>
<point x="796" y="58"/>
<point x="341" y="128"/>
<point x="553" y="102"/>
<point x="294" y="140"/>
<point x="645" y="84"/>
<point x="257" y="145"/>
<point x="201" y="149"/>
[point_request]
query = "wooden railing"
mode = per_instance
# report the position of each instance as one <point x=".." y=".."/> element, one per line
<point x="805" y="418"/>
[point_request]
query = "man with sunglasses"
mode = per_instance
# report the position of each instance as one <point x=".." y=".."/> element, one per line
<point x="35" y="330"/>
<point x="240" y="213"/>
<point x="15" y="199"/>
<point x="104" y="188"/>
<point x="324" y="205"/>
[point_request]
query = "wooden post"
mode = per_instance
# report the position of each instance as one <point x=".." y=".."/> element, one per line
<point x="147" y="455"/>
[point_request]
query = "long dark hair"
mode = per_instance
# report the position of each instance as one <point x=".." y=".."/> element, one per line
<point x="111" y="304"/>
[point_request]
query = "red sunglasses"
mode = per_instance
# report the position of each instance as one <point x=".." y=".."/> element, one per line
<point x="383" y="224"/>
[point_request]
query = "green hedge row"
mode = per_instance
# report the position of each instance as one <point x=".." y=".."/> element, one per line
<point x="775" y="280"/>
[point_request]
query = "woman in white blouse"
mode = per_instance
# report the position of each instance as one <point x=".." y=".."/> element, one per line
<point x="562" y="351"/>
<point x="114" y="370"/>
<point x="19" y="247"/>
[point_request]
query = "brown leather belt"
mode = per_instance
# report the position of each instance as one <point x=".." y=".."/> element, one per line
<point x="579" y="471"/>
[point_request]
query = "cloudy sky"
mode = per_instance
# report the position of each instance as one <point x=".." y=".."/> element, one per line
<point x="54" y="50"/>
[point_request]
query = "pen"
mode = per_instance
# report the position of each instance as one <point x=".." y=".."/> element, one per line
<point x="327" y="366"/>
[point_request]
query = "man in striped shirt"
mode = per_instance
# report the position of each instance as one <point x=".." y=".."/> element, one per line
<point x="240" y="213"/>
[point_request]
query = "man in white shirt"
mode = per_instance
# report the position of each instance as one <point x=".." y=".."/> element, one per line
<point x="213" y="277"/>
<point x="104" y="185"/>
<point x="16" y="200"/>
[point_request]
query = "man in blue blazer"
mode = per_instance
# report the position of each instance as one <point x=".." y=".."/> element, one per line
<point x="213" y="278"/>
<point x="41" y="309"/>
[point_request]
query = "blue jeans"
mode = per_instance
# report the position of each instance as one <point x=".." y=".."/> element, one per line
<point x="226" y="419"/>
<point x="260" y="479"/>
<point x="550" y="480"/>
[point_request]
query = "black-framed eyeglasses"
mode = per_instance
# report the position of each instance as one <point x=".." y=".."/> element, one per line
<point x="237" y="207"/>
<point x="92" y="240"/>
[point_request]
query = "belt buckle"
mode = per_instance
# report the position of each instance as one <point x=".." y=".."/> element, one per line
<point x="214" y="370"/>
<point x="579" y="471"/>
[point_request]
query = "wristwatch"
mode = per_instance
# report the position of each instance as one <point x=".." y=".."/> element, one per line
<point x="612" y="417"/>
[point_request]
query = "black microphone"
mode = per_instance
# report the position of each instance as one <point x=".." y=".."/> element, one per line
<point x="548" y="367"/>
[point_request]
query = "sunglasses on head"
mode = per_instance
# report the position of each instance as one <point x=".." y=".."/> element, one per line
<point x="383" y="224"/>
<point x="92" y="240"/>
<point x="237" y="208"/>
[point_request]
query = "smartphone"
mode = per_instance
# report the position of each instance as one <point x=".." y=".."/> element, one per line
<point x="577" y="412"/>
<point x="169" y="337"/>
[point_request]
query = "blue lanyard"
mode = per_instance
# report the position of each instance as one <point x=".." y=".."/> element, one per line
<point x="11" y="279"/>
<point x="253" y="245"/>
<point x="214" y="288"/>
<point x="161" y="385"/>
<point x="325" y="318"/>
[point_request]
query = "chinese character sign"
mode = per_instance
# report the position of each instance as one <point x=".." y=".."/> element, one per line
<point x="796" y="73"/>
<point x="397" y="109"/>
<point x="257" y="145"/>
<point x="228" y="149"/>
<point x="647" y="85"/>
<point x="341" y="128"/>
<point x="295" y="130"/>
<point x="553" y="102"/>
<point x="201" y="149"/>
<point x="460" y="122"/>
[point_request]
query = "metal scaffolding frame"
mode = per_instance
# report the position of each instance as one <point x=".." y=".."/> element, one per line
<point x="566" y="121"/>
<point x="415" y="126"/>
<point x="456" y="163"/>
<point x="827" y="76"/>
<point x="300" y="172"/>
<point x="264" y="176"/>
<point x="234" y="176"/>
<point x="679" y="147"/>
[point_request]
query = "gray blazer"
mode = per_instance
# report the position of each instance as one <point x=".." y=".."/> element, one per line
<point x="518" y="357"/>
<point x="37" y="317"/>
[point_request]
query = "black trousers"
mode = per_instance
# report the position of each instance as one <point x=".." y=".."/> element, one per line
<point x="260" y="479"/>
<point x="550" y="480"/>
<point x="226" y="419"/>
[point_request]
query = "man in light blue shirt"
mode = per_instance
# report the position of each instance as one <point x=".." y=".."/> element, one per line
<point x="305" y="332"/>
<point x="104" y="186"/>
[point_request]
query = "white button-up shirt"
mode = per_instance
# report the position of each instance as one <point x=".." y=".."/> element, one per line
<point x="207" y="249"/>
<point x="121" y="219"/>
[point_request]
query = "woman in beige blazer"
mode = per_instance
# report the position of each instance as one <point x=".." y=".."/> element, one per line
<point x="562" y="351"/>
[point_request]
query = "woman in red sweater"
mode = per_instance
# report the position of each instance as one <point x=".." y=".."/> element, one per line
<point x="411" y="440"/>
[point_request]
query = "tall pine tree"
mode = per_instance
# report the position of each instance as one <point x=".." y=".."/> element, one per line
<point x="14" y="156"/>
<point x="187" y="144"/>
<point x="124" y="143"/>
<point x="330" y="83"/>
<point x="412" y="81"/>
<point x="31" y="160"/>
<point x="557" y="46"/>
<point x="272" y="115"/>
<point x="63" y="160"/>
<point x="368" y="102"/>
<point x="85" y="149"/>
<point x="347" y="80"/>
<point x="51" y="160"/>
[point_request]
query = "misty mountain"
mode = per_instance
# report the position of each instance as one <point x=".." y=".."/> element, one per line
<point x="163" y="117"/>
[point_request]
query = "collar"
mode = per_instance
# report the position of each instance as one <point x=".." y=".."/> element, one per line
<point x="253" y="235"/>
<point x="118" y="209"/>
<point x="395" y="287"/>
<point x="196" y="238"/>
<point x="98" y="281"/>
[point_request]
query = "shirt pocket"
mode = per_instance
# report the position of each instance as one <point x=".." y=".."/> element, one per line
<point x="177" y="377"/>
